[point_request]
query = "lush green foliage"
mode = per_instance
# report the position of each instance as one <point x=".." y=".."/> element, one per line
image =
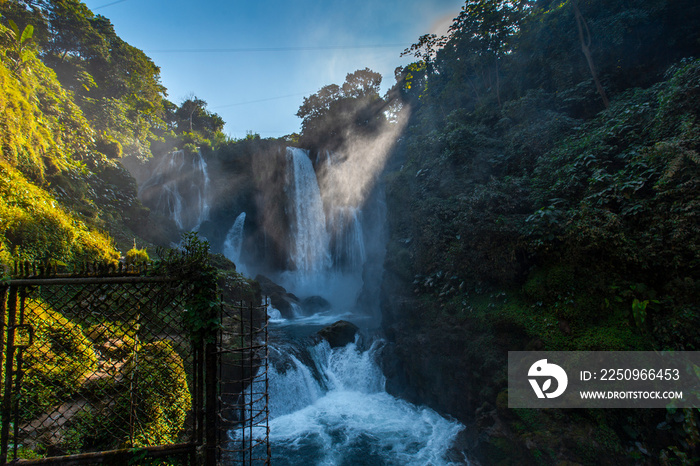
<point x="58" y="191"/>
<point x="503" y="192"/>
<point x="42" y="130"/>
<point x="35" y="227"/>
<point x="529" y="213"/>
<point x="117" y="85"/>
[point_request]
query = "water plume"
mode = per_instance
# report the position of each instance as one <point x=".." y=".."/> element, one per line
<point x="350" y="173"/>
<point x="233" y="244"/>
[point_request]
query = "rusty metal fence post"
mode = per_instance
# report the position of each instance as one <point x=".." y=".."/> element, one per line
<point x="8" y="354"/>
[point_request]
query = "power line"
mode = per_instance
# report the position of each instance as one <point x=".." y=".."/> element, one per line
<point x="262" y="100"/>
<point x="106" y="5"/>
<point x="277" y="49"/>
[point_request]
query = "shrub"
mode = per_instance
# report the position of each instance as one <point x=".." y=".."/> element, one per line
<point x="164" y="398"/>
<point x="136" y="256"/>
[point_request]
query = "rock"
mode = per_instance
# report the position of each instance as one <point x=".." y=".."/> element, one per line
<point x="285" y="304"/>
<point x="339" y="334"/>
<point x="268" y="287"/>
<point x="315" y="304"/>
<point x="279" y="297"/>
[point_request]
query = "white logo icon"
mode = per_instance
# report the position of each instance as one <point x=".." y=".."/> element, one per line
<point x="543" y="369"/>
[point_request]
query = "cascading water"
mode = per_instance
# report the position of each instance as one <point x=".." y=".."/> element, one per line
<point x="233" y="244"/>
<point x="310" y="240"/>
<point x="327" y="246"/>
<point x="329" y="405"/>
<point x="200" y="166"/>
<point x="179" y="188"/>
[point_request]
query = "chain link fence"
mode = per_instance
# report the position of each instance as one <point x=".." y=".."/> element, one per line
<point x="106" y="368"/>
<point x="244" y="397"/>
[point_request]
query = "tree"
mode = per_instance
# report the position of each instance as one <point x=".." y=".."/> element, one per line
<point x="362" y="83"/>
<point x="192" y="116"/>
<point x="427" y="47"/>
<point x="334" y="110"/>
<point x="116" y="85"/>
<point x="486" y="30"/>
<point x="584" y="35"/>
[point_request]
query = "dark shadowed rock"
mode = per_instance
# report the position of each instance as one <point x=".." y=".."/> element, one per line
<point x="315" y="304"/>
<point x="279" y="298"/>
<point x="339" y="334"/>
<point x="285" y="304"/>
<point x="268" y="287"/>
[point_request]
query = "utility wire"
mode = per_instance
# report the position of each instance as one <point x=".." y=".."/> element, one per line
<point x="107" y="4"/>
<point x="262" y="100"/>
<point x="277" y="49"/>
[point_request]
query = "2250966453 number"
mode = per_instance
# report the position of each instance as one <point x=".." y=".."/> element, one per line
<point x="639" y="374"/>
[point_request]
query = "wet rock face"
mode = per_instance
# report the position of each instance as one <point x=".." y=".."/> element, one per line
<point x="339" y="334"/>
<point x="279" y="297"/>
<point x="315" y="304"/>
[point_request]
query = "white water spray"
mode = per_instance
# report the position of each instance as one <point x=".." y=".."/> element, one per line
<point x="336" y="411"/>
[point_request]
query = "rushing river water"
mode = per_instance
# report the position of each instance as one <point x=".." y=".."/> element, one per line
<point x="329" y="407"/>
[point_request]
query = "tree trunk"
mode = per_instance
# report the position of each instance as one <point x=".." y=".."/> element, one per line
<point x="586" y="49"/>
<point x="498" y="83"/>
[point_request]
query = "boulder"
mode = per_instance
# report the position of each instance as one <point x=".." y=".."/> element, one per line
<point x="339" y="334"/>
<point x="285" y="304"/>
<point x="279" y="297"/>
<point x="268" y="287"/>
<point x="315" y="304"/>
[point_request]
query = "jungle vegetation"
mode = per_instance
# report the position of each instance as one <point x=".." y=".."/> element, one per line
<point x="545" y="197"/>
<point x="544" y="194"/>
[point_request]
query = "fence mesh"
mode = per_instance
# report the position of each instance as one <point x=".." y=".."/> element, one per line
<point x="104" y="368"/>
<point x="243" y="397"/>
<point x="98" y="365"/>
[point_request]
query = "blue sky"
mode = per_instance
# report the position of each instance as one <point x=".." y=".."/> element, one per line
<point x="261" y="90"/>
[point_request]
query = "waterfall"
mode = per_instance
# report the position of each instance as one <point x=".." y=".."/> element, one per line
<point x="329" y="405"/>
<point x="199" y="166"/>
<point x="310" y="240"/>
<point x="179" y="188"/>
<point x="233" y="244"/>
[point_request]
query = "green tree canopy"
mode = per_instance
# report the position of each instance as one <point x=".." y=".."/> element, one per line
<point x="334" y="110"/>
<point x="193" y="116"/>
<point x="117" y="85"/>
